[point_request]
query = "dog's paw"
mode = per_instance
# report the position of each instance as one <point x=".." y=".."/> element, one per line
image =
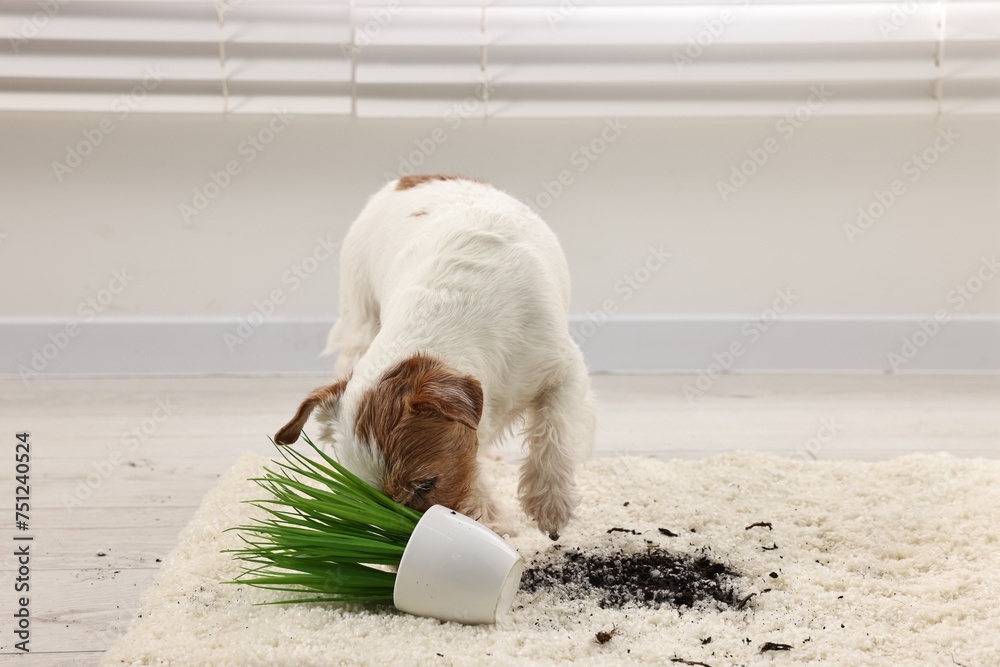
<point x="551" y="511"/>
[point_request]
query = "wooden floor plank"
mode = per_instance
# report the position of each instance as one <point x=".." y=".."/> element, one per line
<point x="78" y="610"/>
<point x="72" y="540"/>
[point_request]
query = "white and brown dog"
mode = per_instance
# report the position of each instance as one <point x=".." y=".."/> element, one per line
<point x="453" y="306"/>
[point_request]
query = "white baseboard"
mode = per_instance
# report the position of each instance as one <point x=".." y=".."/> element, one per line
<point x="223" y="346"/>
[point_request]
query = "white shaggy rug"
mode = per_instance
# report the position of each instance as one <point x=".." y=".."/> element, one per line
<point x="894" y="563"/>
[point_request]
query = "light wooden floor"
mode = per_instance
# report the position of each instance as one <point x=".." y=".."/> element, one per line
<point x="132" y="512"/>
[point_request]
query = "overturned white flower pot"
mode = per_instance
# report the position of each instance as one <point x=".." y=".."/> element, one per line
<point x="456" y="569"/>
<point x="327" y="536"/>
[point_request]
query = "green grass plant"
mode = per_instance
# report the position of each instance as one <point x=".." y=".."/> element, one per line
<point x="323" y="531"/>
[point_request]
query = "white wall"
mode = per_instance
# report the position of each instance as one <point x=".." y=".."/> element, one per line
<point x="656" y="184"/>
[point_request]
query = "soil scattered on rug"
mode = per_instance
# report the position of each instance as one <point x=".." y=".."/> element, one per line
<point x="649" y="579"/>
<point x="772" y="646"/>
<point x="603" y="637"/>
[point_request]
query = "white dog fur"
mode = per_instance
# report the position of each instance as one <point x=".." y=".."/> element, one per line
<point x="459" y="271"/>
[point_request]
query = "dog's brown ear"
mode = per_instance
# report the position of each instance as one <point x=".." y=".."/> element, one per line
<point x="452" y="396"/>
<point x="329" y="394"/>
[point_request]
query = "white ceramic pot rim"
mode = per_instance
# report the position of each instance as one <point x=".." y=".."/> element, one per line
<point x="456" y="569"/>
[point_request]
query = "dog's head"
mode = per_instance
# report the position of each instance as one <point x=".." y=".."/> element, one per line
<point x="413" y="434"/>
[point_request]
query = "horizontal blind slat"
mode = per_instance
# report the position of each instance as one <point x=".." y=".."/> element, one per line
<point x="419" y="58"/>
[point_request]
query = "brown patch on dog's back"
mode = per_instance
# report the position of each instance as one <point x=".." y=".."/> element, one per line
<point x="418" y="214"/>
<point x="422" y="416"/>
<point x="407" y="182"/>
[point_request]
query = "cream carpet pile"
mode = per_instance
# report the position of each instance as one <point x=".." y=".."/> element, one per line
<point x="891" y="563"/>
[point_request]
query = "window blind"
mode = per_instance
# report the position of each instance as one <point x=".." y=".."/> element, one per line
<point x="564" y="58"/>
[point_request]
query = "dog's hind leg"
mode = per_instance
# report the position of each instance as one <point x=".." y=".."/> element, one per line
<point x="559" y="433"/>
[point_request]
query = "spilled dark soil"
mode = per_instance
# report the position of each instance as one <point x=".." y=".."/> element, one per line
<point x="651" y="578"/>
